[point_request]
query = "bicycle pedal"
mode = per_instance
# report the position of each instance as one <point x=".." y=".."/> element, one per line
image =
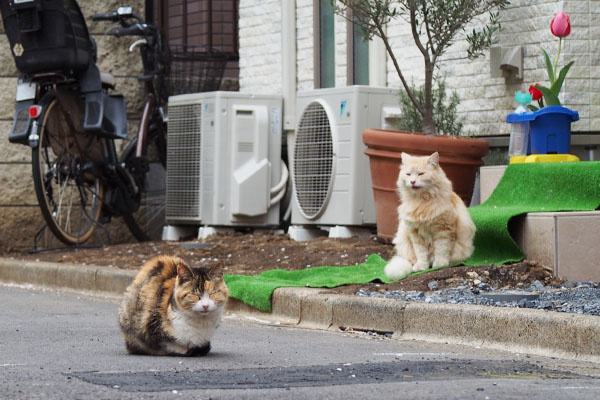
<point x="144" y="78"/>
<point x="138" y="165"/>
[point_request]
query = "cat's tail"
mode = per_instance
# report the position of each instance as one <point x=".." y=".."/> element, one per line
<point x="398" y="267"/>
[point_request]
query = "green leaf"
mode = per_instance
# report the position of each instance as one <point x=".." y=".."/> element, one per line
<point x="549" y="67"/>
<point x="557" y="85"/>
<point x="532" y="107"/>
<point x="551" y="98"/>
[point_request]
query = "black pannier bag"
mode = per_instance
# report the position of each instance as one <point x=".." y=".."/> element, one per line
<point x="47" y="35"/>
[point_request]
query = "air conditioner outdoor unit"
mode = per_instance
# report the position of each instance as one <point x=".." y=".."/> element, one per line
<point x="224" y="163"/>
<point x="331" y="175"/>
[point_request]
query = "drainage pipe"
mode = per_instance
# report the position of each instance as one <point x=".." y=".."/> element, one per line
<point x="288" y="62"/>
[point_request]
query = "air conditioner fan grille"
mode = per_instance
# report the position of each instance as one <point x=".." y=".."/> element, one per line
<point x="183" y="159"/>
<point x="313" y="160"/>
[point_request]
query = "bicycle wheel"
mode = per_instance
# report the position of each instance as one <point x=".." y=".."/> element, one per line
<point x="68" y="192"/>
<point x="147" y="222"/>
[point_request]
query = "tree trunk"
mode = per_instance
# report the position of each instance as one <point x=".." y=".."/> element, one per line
<point x="428" y="123"/>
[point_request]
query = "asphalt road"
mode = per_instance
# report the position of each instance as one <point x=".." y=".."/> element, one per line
<point x="68" y="346"/>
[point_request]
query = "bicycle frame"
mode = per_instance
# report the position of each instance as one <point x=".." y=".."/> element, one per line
<point x="85" y="150"/>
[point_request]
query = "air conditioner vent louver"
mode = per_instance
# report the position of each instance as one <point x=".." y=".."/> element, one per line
<point x="313" y="160"/>
<point x="183" y="160"/>
<point x="245" y="147"/>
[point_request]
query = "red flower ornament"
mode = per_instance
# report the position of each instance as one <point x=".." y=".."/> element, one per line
<point x="560" y="25"/>
<point x="535" y="93"/>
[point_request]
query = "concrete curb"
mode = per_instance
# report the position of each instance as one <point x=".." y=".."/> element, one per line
<point x="520" y="330"/>
<point x="79" y="277"/>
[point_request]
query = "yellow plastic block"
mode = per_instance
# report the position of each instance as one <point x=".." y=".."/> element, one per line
<point x="518" y="159"/>
<point x="544" y="158"/>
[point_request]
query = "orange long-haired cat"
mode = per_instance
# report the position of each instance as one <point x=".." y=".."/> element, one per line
<point x="434" y="226"/>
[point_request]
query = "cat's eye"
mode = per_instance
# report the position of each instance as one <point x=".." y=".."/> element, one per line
<point x="421" y="173"/>
<point x="193" y="296"/>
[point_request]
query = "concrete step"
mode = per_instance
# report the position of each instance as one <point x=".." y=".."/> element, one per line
<point x="567" y="242"/>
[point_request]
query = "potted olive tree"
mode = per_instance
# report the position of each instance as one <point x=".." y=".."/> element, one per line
<point x="435" y="26"/>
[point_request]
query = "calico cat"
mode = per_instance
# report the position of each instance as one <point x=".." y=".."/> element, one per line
<point x="434" y="226"/>
<point x="172" y="309"/>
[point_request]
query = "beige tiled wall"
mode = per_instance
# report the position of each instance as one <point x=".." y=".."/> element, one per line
<point x="20" y="218"/>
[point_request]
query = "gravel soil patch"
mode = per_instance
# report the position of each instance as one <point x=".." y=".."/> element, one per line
<point x="250" y="254"/>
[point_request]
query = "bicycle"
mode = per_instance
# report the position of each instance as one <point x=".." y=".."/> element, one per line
<point x="68" y="113"/>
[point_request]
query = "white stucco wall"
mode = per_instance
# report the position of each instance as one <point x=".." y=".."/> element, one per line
<point x="305" y="31"/>
<point x="485" y="101"/>
<point x="260" y="46"/>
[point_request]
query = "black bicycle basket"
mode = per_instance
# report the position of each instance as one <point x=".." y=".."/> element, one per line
<point x="47" y="35"/>
<point x="192" y="69"/>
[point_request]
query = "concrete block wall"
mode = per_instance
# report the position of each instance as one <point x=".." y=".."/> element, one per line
<point x="485" y="101"/>
<point x="20" y="217"/>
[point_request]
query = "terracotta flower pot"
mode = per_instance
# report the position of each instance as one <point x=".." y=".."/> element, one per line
<point x="460" y="158"/>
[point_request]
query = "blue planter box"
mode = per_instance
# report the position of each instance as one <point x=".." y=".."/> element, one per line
<point x="549" y="129"/>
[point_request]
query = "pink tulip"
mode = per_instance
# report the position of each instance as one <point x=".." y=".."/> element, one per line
<point x="560" y="25"/>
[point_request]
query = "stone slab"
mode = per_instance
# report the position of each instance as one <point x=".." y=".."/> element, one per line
<point x="17" y="185"/>
<point x="10" y="152"/>
<point x="114" y="56"/>
<point x="530" y="331"/>
<point x="567" y="242"/>
<point x="488" y="180"/>
<point x="368" y="314"/>
<point x="536" y="235"/>
<point x="18" y="226"/>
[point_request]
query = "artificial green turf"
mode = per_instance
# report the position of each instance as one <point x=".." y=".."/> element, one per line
<point x="527" y="188"/>
<point x="256" y="290"/>
<point x="524" y="188"/>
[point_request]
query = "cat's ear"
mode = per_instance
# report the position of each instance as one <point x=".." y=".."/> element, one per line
<point x="434" y="160"/>
<point x="404" y="157"/>
<point x="216" y="271"/>
<point x="184" y="273"/>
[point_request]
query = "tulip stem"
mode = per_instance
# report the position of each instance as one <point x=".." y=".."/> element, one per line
<point x="557" y="55"/>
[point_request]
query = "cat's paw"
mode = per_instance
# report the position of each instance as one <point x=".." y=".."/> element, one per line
<point x="441" y="262"/>
<point x="397" y="268"/>
<point x="420" y="266"/>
